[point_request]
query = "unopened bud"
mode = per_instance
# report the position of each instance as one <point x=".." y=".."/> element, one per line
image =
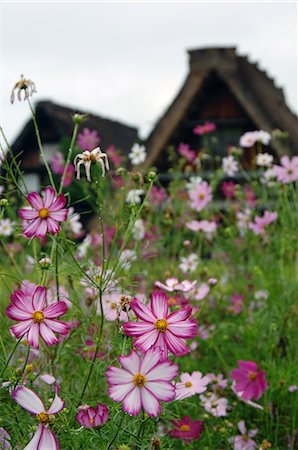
<point x="3" y="202"/>
<point x="79" y="118"/>
<point x="45" y="262"/>
<point x="151" y="176"/>
<point x="212" y="282"/>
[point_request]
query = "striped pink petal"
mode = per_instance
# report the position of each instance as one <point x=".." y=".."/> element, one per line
<point x="137" y="328"/>
<point x="42" y="229"/>
<point x="115" y="375"/>
<point x="130" y="362"/>
<point x="165" y="371"/>
<point x="151" y="358"/>
<point x="59" y="203"/>
<point x="48" y="440"/>
<point x="34" y="443"/>
<point x="162" y="390"/>
<point x="118" y="392"/>
<point x="53" y="226"/>
<point x="33" y="336"/>
<point x="150" y="403"/>
<point x="21" y="328"/>
<point x="132" y="403"/>
<point x="20" y="300"/>
<point x="178" y="316"/>
<point x="30" y="230"/>
<point x="159" y="304"/>
<point x="28" y="214"/>
<point x="35" y="199"/>
<point x="57" y="326"/>
<point x="142" y="311"/>
<point x="47" y="334"/>
<point x="186" y="329"/>
<point x="39" y="298"/>
<point x="176" y="345"/>
<point x="15" y="313"/>
<point x="60" y="216"/>
<point x="58" y="403"/>
<point x="49" y="195"/>
<point x="146" y="341"/>
<point x="28" y="399"/>
<point x="55" y="310"/>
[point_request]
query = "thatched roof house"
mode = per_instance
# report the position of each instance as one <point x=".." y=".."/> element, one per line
<point x="226" y="89"/>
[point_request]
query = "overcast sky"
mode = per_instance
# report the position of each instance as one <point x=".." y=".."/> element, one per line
<point x="127" y="60"/>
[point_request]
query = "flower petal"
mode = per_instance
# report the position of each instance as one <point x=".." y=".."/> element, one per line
<point x="34" y="443"/>
<point x="176" y="345"/>
<point x="137" y="328"/>
<point x="20" y="300"/>
<point x="159" y="304"/>
<point x="162" y="390"/>
<point x="131" y="363"/>
<point x="33" y="335"/>
<point x="48" y="440"/>
<point x="55" y="310"/>
<point x="21" y="328"/>
<point x="132" y="403"/>
<point x="28" y="400"/>
<point x="115" y="375"/>
<point x="150" y="403"/>
<point x="42" y="228"/>
<point x="49" y="195"/>
<point x="178" y="316"/>
<point x="165" y="371"/>
<point x="57" y="326"/>
<point x="151" y="358"/>
<point x="146" y="341"/>
<point x="59" y="203"/>
<point x="60" y="216"/>
<point x="15" y="313"/>
<point x="58" y="403"/>
<point x="35" y="200"/>
<point x="28" y="214"/>
<point x="142" y="311"/>
<point x="30" y="230"/>
<point x="118" y="392"/>
<point x="187" y="329"/>
<point x="47" y="334"/>
<point x="53" y="226"/>
<point x="39" y="298"/>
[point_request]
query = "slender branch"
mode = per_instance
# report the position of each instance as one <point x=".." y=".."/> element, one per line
<point x="116" y="434"/>
<point x="70" y="150"/>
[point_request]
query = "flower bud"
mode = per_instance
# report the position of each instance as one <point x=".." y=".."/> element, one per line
<point x="45" y="263"/>
<point x="3" y="202"/>
<point x="151" y="176"/>
<point x="90" y="417"/>
<point x="79" y="118"/>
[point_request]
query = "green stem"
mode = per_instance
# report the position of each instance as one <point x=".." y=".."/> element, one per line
<point x="70" y="150"/>
<point x="116" y="434"/>
<point x="10" y="356"/>
<point x="42" y="153"/>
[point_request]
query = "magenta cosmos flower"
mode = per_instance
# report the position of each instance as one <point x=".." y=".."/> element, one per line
<point x="249" y="381"/>
<point x="90" y="417"/>
<point x="288" y="171"/>
<point x="44" y="438"/>
<point x="142" y="382"/>
<point x="45" y="215"/>
<point x="200" y="196"/>
<point x="35" y="319"/>
<point x="206" y="128"/>
<point x="157" y="328"/>
<point x="186" y="429"/>
<point x="87" y="139"/>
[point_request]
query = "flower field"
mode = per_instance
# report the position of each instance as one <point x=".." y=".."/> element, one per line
<point x="140" y="311"/>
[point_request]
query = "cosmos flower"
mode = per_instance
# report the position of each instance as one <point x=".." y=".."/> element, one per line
<point x="137" y="154"/>
<point x="207" y="226"/>
<point x="35" y="318"/>
<point x="23" y="85"/>
<point x="4" y="439"/>
<point x="142" y="382"/>
<point x="87" y="157"/>
<point x="44" y="438"/>
<point x="230" y="166"/>
<point x="217" y="406"/>
<point x="200" y="196"/>
<point x="45" y="215"/>
<point x="206" y="128"/>
<point x="186" y="429"/>
<point x="259" y="224"/>
<point x="189" y="263"/>
<point x="288" y="171"/>
<point x="191" y="384"/>
<point x="244" y="441"/>
<point x="248" y="139"/>
<point x="6" y="227"/>
<point x="172" y="284"/>
<point x="90" y="417"/>
<point x="264" y="159"/>
<point x="88" y="140"/>
<point x="249" y="381"/>
<point x="157" y="328"/>
<point x="184" y="150"/>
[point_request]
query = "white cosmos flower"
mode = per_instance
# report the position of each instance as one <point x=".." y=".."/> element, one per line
<point x="264" y="159"/>
<point x="134" y="196"/>
<point x="138" y="232"/>
<point x="6" y="227"/>
<point x="230" y="166"/>
<point x="189" y="263"/>
<point x="137" y="154"/>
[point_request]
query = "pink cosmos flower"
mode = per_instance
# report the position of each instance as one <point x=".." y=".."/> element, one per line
<point x="288" y="171"/>
<point x="206" y="128"/>
<point x="244" y="441"/>
<point x="90" y="417"/>
<point x="35" y="319"/>
<point x="228" y="189"/>
<point x="249" y="138"/>
<point x="142" y="382"/>
<point x="172" y="284"/>
<point x="4" y="439"/>
<point x="186" y="429"/>
<point x="200" y="196"/>
<point x="191" y="385"/>
<point x="114" y="155"/>
<point x="87" y="139"/>
<point x="157" y="328"/>
<point x="258" y="226"/>
<point x="202" y="291"/>
<point x="45" y="215"/>
<point x="237" y="303"/>
<point x="44" y="438"/>
<point x="184" y="150"/>
<point x="157" y="196"/>
<point x="218" y="382"/>
<point x="111" y="302"/>
<point x="208" y="227"/>
<point x="217" y="406"/>
<point x="249" y="380"/>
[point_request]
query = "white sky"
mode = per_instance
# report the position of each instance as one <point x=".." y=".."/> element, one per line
<point x="127" y="60"/>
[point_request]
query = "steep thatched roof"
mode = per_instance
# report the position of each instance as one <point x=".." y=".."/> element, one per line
<point x="55" y="123"/>
<point x="256" y="93"/>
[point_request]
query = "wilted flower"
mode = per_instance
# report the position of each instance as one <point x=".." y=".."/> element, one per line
<point x="87" y="157"/>
<point x="44" y="438"/>
<point x="23" y="85"/>
<point x="142" y="382"/>
<point x="88" y="140"/>
<point x="90" y="417"/>
<point x="137" y="154"/>
<point x="186" y="429"/>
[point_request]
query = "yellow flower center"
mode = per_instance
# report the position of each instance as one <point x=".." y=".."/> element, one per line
<point x="43" y="418"/>
<point x="38" y="316"/>
<point x="171" y="301"/>
<point x="252" y="376"/>
<point x="113" y="306"/>
<point x="185" y="428"/>
<point x="91" y="420"/>
<point x="201" y="196"/>
<point x="139" y="380"/>
<point x="188" y="384"/>
<point x="43" y="213"/>
<point x="161" y="325"/>
<point x="245" y="437"/>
